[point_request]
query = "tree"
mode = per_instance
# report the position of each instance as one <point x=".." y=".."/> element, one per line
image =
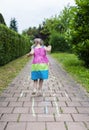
<point x="2" y="21"/>
<point x="49" y="26"/>
<point x="31" y="31"/>
<point x="67" y="20"/>
<point x="80" y="36"/>
<point x="13" y="24"/>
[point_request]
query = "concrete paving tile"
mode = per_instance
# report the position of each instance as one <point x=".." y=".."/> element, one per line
<point x="86" y="104"/>
<point x="29" y="104"/>
<point x="37" y="110"/>
<point x="55" y="126"/>
<point x="10" y="117"/>
<point x="6" y="109"/>
<point x="73" y="104"/>
<point x="60" y="104"/>
<point x="21" y="110"/>
<point x="87" y="124"/>
<point x="44" y="103"/>
<point x="45" y="117"/>
<point x="63" y="117"/>
<point x="76" y="126"/>
<point x="15" y="104"/>
<point x="36" y="125"/>
<point x="83" y="109"/>
<point x="11" y="99"/>
<point x="28" y="117"/>
<point x="81" y="117"/>
<point x="16" y="126"/>
<point x="69" y="110"/>
<point x="4" y="104"/>
<point x="2" y="125"/>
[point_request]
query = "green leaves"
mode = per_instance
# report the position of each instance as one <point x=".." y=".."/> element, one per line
<point x="82" y="3"/>
<point x="80" y="26"/>
<point x="12" y="45"/>
<point x="58" y="42"/>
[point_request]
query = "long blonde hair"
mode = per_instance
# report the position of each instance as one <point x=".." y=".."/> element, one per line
<point x="38" y="41"/>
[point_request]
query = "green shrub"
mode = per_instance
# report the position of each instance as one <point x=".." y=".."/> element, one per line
<point x="58" y="42"/>
<point x="12" y="45"/>
<point x="83" y="51"/>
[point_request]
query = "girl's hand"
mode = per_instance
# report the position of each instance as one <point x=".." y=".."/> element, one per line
<point x="28" y="55"/>
<point x="48" y="48"/>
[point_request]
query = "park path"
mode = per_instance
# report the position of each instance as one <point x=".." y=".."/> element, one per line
<point x="63" y="106"/>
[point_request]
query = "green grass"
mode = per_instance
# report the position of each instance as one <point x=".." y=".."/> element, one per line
<point x="9" y="71"/>
<point x="74" y="67"/>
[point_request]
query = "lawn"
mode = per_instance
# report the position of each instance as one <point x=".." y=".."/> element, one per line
<point x="9" y="71"/>
<point x="74" y="67"/>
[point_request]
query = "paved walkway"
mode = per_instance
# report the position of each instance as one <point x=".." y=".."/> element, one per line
<point x="63" y="106"/>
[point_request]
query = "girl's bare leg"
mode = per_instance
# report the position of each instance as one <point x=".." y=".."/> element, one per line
<point x="40" y="84"/>
<point x="35" y="87"/>
<point x="40" y="87"/>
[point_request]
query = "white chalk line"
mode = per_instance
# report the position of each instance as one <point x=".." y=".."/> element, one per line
<point x="55" y="101"/>
<point x="66" y="95"/>
<point x="21" y="94"/>
<point x="33" y="103"/>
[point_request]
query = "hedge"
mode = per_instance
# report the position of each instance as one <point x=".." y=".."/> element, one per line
<point x="58" y="42"/>
<point x="12" y="45"/>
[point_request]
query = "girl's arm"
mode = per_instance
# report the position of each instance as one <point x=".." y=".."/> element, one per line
<point x="48" y="48"/>
<point x="30" y="53"/>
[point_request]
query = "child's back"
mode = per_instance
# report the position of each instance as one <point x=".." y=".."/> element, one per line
<point x="40" y="55"/>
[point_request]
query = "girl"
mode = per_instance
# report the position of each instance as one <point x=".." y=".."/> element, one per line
<point x="40" y="64"/>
